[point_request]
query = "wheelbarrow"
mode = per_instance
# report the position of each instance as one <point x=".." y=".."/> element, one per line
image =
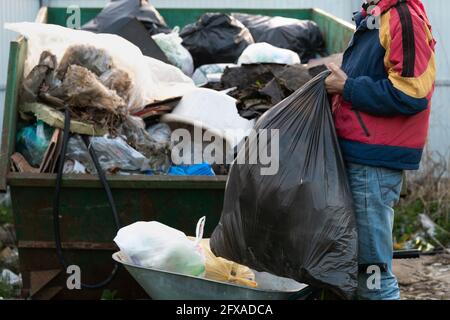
<point x="164" y="285"/>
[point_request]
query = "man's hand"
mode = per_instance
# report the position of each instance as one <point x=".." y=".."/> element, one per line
<point x="335" y="82"/>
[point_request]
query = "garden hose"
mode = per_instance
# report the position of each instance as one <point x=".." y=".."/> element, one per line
<point x="56" y="201"/>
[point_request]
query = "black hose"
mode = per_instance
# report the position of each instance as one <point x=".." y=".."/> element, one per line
<point x="56" y="201"/>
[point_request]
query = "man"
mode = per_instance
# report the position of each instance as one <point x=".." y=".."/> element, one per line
<point x="381" y="110"/>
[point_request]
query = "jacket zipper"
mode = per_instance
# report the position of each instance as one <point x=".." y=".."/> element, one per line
<point x="361" y="122"/>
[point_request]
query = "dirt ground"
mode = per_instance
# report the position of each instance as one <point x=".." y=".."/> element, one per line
<point x="427" y="278"/>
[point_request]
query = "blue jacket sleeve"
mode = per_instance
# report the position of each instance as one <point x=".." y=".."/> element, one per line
<point x="381" y="98"/>
<point x="410" y="67"/>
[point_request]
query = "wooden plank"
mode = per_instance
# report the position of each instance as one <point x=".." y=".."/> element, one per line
<point x="42" y="16"/>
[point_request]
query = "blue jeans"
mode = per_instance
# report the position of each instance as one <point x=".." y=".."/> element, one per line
<point x="375" y="192"/>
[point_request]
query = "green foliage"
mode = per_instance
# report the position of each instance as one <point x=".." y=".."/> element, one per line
<point x="7" y="291"/>
<point x="5" y="215"/>
<point x="407" y="221"/>
<point x="109" y="295"/>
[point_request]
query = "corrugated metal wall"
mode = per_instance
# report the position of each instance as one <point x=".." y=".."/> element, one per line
<point x="11" y="11"/>
<point x="439" y="139"/>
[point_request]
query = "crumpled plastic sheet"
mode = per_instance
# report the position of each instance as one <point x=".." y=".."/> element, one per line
<point x="113" y="154"/>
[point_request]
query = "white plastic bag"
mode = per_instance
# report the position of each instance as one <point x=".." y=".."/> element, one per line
<point x="179" y="56"/>
<point x="112" y="153"/>
<point x="266" y="53"/>
<point x="155" y="245"/>
<point x="152" y="80"/>
<point x="210" y="73"/>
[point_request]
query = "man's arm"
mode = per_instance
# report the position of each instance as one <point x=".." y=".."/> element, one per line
<point x="410" y="64"/>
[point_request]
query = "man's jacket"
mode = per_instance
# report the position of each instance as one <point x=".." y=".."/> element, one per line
<point x="382" y="118"/>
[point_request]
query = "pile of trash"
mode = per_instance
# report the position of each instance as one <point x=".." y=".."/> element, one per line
<point x="128" y="82"/>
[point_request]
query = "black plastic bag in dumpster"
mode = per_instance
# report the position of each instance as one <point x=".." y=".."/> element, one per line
<point x="215" y="38"/>
<point x="301" y="36"/>
<point x="118" y="13"/>
<point x="298" y="223"/>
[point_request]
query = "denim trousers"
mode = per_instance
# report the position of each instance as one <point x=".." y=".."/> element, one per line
<point x="375" y="192"/>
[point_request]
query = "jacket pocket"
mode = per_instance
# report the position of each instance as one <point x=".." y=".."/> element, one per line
<point x="361" y="123"/>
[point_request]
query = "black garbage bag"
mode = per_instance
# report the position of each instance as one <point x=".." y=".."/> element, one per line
<point x="117" y="13"/>
<point x="298" y="223"/>
<point x="216" y="38"/>
<point x="301" y="36"/>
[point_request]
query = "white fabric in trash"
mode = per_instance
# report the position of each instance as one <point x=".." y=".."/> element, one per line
<point x="214" y="111"/>
<point x="266" y="53"/>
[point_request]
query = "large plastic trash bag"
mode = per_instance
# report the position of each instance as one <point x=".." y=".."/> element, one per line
<point x="118" y="12"/>
<point x="157" y="246"/>
<point x="177" y="55"/>
<point x="33" y="141"/>
<point x="298" y="223"/>
<point x="267" y="53"/>
<point x="216" y="38"/>
<point x="301" y="36"/>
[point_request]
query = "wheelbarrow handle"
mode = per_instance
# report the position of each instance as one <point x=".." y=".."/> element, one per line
<point x="407" y="254"/>
<point x="302" y="294"/>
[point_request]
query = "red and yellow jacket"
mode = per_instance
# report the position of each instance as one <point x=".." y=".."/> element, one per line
<point x="382" y="118"/>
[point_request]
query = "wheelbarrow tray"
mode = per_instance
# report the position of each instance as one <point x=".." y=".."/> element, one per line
<point x="164" y="285"/>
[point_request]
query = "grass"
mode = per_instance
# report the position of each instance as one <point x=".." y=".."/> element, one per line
<point x="428" y="193"/>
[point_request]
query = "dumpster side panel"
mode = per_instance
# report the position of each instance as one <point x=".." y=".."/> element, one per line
<point x="87" y="230"/>
<point x="17" y="56"/>
<point x="337" y="32"/>
<point x="59" y="15"/>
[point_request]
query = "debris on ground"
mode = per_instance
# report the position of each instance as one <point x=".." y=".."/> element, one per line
<point x="427" y="278"/>
<point x="7" y="234"/>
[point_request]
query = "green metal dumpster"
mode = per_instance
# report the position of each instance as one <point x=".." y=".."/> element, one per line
<point x="87" y="227"/>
